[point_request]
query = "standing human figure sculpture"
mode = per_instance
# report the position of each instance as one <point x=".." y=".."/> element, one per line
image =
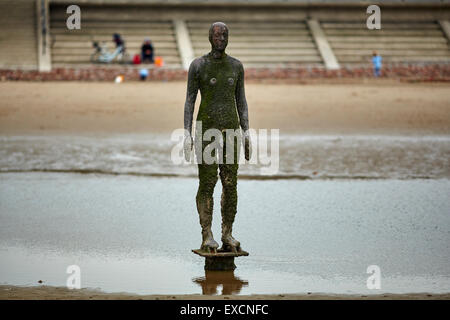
<point x="220" y="79"/>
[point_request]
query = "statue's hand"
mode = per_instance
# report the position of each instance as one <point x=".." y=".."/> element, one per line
<point x="187" y="147"/>
<point x="247" y="146"/>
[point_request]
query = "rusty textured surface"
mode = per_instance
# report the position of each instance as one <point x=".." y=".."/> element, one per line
<point x="220" y="79"/>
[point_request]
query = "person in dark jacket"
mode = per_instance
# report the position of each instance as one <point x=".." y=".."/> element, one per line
<point x="147" y="51"/>
<point x="119" y="42"/>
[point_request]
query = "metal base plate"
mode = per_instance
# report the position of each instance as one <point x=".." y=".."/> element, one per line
<point x="220" y="253"/>
<point x="221" y="260"/>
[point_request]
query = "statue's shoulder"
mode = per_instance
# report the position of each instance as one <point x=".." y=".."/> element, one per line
<point x="236" y="63"/>
<point x="197" y="63"/>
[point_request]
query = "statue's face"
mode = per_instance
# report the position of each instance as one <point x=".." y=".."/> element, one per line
<point x="219" y="37"/>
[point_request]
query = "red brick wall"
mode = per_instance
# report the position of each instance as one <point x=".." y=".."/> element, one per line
<point x="414" y="72"/>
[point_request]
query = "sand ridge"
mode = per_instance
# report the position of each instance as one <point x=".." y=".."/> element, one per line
<point x="372" y="107"/>
<point x="61" y="293"/>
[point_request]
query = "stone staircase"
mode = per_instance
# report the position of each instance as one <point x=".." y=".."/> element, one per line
<point x="261" y="43"/>
<point x="18" y="44"/>
<point x="259" y="40"/>
<point x="75" y="46"/>
<point x="397" y="42"/>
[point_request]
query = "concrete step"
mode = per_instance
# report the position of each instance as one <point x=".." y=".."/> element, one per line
<point x="17" y="56"/>
<point x="25" y="27"/>
<point x="376" y="40"/>
<point x="114" y="65"/>
<point x="265" y="26"/>
<point x="387" y="59"/>
<point x="123" y="32"/>
<point x="393" y="46"/>
<point x="25" y="14"/>
<point x="399" y="53"/>
<point x="385" y="33"/>
<point x="257" y="39"/>
<point x="14" y="37"/>
<point x="85" y="51"/>
<point x="280" y="59"/>
<point x="258" y="45"/>
<point x="307" y="64"/>
<point x="108" y="38"/>
<point x="257" y="32"/>
<point x="105" y="13"/>
<point x="276" y="52"/>
<point x="86" y="59"/>
<point x="384" y="26"/>
<point x="113" y="25"/>
<point x="137" y="44"/>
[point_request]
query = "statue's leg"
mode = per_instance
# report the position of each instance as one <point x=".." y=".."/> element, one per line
<point x="228" y="177"/>
<point x="207" y="180"/>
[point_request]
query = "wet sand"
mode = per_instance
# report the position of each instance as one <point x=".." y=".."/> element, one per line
<point x="302" y="157"/>
<point x="47" y="222"/>
<point x="374" y="107"/>
<point x="134" y="234"/>
<point x="61" y="293"/>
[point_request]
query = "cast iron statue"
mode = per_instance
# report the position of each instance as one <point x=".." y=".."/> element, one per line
<point x="220" y="79"/>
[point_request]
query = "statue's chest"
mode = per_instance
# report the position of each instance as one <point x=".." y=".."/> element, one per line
<point x="220" y="76"/>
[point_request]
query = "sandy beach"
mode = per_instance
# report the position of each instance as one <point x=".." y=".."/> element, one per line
<point x="381" y="107"/>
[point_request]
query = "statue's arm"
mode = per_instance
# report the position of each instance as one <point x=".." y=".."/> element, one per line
<point x="191" y="96"/>
<point x="241" y="101"/>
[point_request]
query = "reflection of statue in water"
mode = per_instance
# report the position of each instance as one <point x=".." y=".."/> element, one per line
<point x="220" y="79"/>
<point x="212" y="279"/>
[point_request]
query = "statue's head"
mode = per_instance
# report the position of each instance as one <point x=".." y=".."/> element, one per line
<point x="218" y="36"/>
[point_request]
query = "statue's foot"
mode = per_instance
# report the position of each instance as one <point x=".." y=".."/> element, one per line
<point x="209" y="245"/>
<point x="230" y="244"/>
